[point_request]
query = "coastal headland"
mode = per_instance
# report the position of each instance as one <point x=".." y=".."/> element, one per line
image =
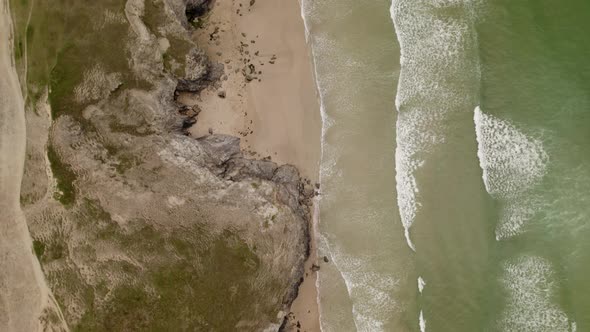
<point x="168" y="181"/>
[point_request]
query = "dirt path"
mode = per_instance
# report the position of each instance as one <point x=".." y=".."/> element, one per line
<point x="22" y="288"/>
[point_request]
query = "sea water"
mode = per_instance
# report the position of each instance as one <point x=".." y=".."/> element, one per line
<point x="455" y="171"/>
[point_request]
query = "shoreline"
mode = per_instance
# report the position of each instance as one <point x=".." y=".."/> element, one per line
<point x="268" y="97"/>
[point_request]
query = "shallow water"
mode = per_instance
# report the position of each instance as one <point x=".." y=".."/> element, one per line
<point x="454" y="168"/>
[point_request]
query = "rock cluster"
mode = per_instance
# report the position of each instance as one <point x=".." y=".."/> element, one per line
<point x="228" y="162"/>
<point x="200" y="72"/>
<point x="197" y="8"/>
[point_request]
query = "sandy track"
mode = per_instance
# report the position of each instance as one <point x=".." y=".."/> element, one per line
<point x="22" y="288"/>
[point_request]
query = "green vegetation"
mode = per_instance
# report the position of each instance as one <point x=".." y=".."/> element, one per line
<point x="153" y="15"/>
<point x="38" y="248"/>
<point x="154" y="18"/>
<point x="167" y="295"/>
<point x="64" y="176"/>
<point x="169" y="270"/>
<point x="178" y="50"/>
<point x="125" y="160"/>
<point x="63" y="39"/>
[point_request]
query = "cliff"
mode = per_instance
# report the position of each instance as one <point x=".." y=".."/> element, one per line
<point x="137" y="225"/>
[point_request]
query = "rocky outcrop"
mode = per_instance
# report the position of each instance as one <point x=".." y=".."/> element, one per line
<point x="197" y="8"/>
<point x="227" y="161"/>
<point x="200" y="72"/>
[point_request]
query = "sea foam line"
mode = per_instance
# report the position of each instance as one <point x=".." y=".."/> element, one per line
<point x="372" y="287"/>
<point x="324" y="119"/>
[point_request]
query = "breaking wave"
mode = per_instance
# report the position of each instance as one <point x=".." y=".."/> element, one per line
<point x="433" y="51"/>
<point x="529" y="280"/>
<point x="512" y="164"/>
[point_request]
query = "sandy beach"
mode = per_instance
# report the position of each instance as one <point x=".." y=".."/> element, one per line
<point x="268" y="98"/>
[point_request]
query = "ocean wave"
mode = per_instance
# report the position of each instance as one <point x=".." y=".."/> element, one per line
<point x="438" y="67"/>
<point x="422" y="322"/>
<point x="512" y="164"/>
<point x="421" y="284"/>
<point x="530" y="284"/>
<point x="370" y="291"/>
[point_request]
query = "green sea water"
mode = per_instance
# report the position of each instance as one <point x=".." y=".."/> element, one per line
<point x="455" y="171"/>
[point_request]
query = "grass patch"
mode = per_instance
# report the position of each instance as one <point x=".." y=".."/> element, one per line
<point x="154" y="16"/>
<point x="178" y="50"/>
<point x="64" y="176"/>
<point x="65" y="38"/>
<point x="38" y="248"/>
<point x="192" y="286"/>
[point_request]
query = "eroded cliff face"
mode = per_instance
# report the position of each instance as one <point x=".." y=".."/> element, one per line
<point x="138" y="226"/>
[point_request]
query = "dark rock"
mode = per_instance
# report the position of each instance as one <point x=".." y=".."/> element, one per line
<point x="221" y="94"/>
<point x="197" y="8"/>
<point x="326" y="260"/>
<point x="239" y="169"/>
<point x="307" y="190"/>
<point x="315" y="268"/>
<point x="287" y="174"/>
<point x="252" y="2"/>
<point x="193" y="111"/>
<point x="183" y="109"/>
<point x="188" y="122"/>
<point x="220" y="148"/>
<point x="201" y="72"/>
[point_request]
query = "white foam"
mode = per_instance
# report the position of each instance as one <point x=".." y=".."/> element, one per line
<point x="511" y="161"/>
<point x="438" y="61"/>
<point x="512" y="164"/>
<point x="422" y="322"/>
<point x="530" y="284"/>
<point x="370" y="291"/>
<point x="421" y="284"/>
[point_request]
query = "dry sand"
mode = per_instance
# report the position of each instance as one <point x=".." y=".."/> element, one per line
<point x="277" y="113"/>
<point x="23" y="292"/>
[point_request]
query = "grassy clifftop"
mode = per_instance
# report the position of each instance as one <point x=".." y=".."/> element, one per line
<point x="134" y="229"/>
